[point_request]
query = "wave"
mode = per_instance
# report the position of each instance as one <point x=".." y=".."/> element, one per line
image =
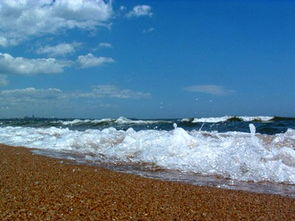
<point x="235" y="155"/>
<point x="120" y="120"/>
<point x="139" y="123"/>
<point x="232" y="118"/>
<point x="277" y="118"/>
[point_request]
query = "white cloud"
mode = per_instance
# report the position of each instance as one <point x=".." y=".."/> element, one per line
<point x="151" y="29"/>
<point x="3" y="41"/>
<point x="140" y="10"/>
<point x="3" y="80"/>
<point x="26" y="95"/>
<point x="116" y="92"/>
<point x="105" y="45"/>
<point x="24" y="19"/>
<point x="34" y="95"/>
<point x="60" y="49"/>
<point x="122" y="8"/>
<point x="89" y="60"/>
<point x="55" y="102"/>
<point x="25" y="66"/>
<point x="209" y="89"/>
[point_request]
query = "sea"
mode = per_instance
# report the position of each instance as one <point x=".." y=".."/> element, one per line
<point x="249" y="153"/>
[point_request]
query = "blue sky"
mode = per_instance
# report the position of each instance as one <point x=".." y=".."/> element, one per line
<point x="146" y="59"/>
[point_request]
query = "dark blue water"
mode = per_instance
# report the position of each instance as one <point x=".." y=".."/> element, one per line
<point x="273" y="126"/>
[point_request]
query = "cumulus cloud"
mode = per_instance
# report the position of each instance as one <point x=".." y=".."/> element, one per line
<point x="25" y="66"/>
<point x="140" y="10"/>
<point x="89" y="60"/>
<point x="209" y="89"/>
<point x="24" y="19"/>
<point x="105" y="45"/>
<point x="116" y="92"/>
<point x="59" y="50"/>
<point x="3" y="80"/>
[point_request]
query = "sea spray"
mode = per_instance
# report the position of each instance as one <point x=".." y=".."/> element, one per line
<point x="252" y="129"/>
<point x="236" y="155"/>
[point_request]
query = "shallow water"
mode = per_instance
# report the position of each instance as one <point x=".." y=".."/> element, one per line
<point x="150" y="171"/>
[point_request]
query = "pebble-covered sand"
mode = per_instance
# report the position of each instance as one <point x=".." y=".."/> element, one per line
<point x="38" y="188"/>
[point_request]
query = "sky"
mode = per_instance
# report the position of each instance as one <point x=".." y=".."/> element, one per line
<point x="146" y="59"/>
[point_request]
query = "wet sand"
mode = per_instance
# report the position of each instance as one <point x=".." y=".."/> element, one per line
<point x="39" y="188"/>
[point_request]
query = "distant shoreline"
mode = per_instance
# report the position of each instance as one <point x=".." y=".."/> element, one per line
<point x="37" y="187"/>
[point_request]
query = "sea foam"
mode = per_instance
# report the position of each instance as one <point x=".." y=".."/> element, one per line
<point x="120" y="120"/>
<point x="228" y="118"/>
<point x="235" y="155"/>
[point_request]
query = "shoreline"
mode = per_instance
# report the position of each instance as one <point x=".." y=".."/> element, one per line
<point x="37" y="187"/>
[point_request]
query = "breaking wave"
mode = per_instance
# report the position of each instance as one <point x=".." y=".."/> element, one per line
<point x="232" y="118"/>
<point x="120" y="120"/>
<point x="236" y="155"/>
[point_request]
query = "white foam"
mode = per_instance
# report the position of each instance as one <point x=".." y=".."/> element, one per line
<point x="252" y="129"/>
<point x="256" y="118"/>
<point x="79" y="121"/>
<point x="236" y="155"/>
<point x="124" y="120"/>
<point x="186" y="119"/>
<point x="225" y="118"/>
<point x="120" y="120"/>
<point x="211" y="119"/>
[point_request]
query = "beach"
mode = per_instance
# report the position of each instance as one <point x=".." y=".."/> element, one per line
<point x="147" y="110"/>
<point x="35" y="187"/>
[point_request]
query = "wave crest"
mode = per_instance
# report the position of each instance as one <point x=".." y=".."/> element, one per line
<point x="228" y="118"/>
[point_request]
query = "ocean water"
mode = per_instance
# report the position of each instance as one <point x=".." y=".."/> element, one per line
<point x="252" y="153"/>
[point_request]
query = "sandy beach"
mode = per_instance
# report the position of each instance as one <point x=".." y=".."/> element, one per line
<point x="34" y="187"/>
